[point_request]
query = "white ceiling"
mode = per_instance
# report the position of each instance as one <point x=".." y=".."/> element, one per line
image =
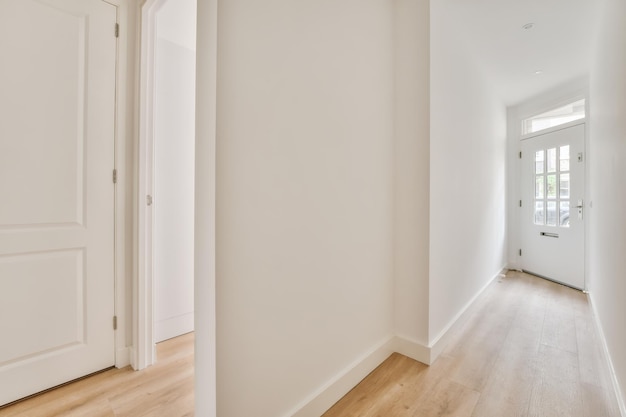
<point x="559" y="44"/>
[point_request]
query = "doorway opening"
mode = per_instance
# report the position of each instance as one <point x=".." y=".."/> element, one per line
<point x="165" y="293"/>
<point x="552" y="205"/>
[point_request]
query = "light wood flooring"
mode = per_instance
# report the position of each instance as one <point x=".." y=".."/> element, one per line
<point x="162" y="390"/>
<point x="528" y="347"/>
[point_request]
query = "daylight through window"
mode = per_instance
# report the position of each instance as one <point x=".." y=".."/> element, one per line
<point x="555" y="117"/>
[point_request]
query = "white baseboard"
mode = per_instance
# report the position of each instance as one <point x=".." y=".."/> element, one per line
<point x="607" y="358"/>
<point x="335" y="389"/>
<point x="412" y="349"/>
<point x="514" y="266"/>
<point x="173" y="326"/>
<point x="122" y="357"/>
<point x="443" y="338"/>
<point x="325" y="397"/>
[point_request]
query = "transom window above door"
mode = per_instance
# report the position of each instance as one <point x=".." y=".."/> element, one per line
<point x="555" y="117"/>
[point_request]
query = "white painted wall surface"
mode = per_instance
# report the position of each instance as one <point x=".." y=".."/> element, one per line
<point x="607" y="225"/>
<point x="467" y="177"/>
<point x="412" y="166"/>
<point x="174" y="135"/>
<point x="205" y="389"/>
<point x="304" y="196"/>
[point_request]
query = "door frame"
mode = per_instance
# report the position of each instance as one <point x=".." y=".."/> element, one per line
<point x="123" y="144"/>
<point x="521" y="222"/>
<point x="567" y="93"/>
<point x="205" y="209"/>
<point x="143" y="288"/>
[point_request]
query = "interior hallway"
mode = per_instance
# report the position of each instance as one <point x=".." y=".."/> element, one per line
<point x="527" y="347"/>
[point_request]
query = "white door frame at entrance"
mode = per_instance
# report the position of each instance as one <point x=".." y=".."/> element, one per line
<point x="567" y="93"/>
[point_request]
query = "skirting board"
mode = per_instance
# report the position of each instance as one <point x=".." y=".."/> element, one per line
<point x="325" y="397"/>
<point x="413" y="350"/>
<point x="441" y="341"/>
<point x="607" y="357"/>
<point x="173" y="326"/>
<point x="122" y="357"/>
<point x="334" y="390"/>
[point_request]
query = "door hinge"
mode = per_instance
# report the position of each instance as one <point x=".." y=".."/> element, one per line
<point x="580" y="156"/>
<point x="117" y="30"/>
<point x="520" y="252"/>
<point x="520" y="154"/>
<point x="520" y="203"/>
<point x="114" y="322"/>
<point x="115" y="176"/>
<point x="148" y="200"/>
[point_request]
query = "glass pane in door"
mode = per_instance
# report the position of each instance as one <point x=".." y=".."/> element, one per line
<point x="539" y="160"/>
<point x="564" y="214"/>
<point x="564" y="186"/>
<point x="539" y="213"/>
<point x="552" y="215"/>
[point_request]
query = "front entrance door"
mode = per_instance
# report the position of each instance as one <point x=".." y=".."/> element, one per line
<point x="57" y="115"/>
<point x="553" y="189"/>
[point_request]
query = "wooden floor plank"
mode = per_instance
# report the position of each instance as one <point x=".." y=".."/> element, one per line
<point x="447" y="398"/>
<point x="556" y="390"/>
<point x="164" y="389"/>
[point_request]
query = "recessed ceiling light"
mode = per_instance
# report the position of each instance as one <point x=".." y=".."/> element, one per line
<point x="528" y="26"/>
<point x="538" y="72"/>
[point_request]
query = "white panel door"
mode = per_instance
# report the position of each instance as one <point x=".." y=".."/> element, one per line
<point x="553" y="189"/>
<point x="57" y="113"/>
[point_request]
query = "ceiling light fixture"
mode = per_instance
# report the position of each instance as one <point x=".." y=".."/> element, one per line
<point x="528" y="26"/>
<point x="538" y="72"/>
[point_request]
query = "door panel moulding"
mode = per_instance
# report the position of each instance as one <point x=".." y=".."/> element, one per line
<point x="69" y="245"/>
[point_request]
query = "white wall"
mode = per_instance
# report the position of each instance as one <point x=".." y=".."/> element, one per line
<point x="467" y="177"/>
<point x="205" y="390"/>
<point x="412" y="169"/>
<point x="607" y="176"/>
<point x="174" y="135"/>
<point x="304" y="196"/>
